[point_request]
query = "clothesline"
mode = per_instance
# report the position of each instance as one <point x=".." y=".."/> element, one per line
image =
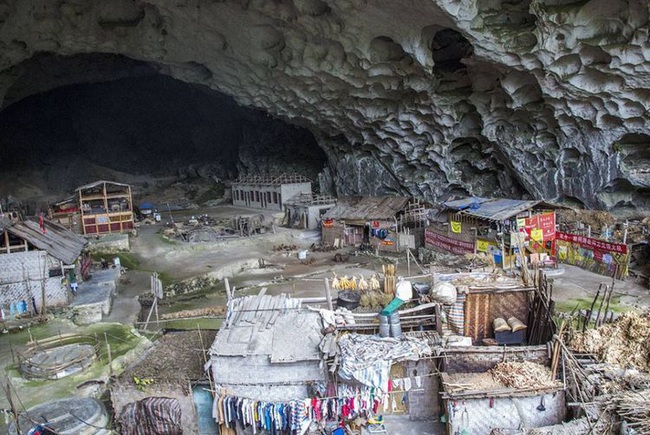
<point x="326" y="397"/>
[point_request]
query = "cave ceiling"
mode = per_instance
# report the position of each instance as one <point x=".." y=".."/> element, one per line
<point x="544" y="99"/>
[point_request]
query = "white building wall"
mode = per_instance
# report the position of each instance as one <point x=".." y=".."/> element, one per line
<point x="264" y="201"/>
<point x="314" y="215"/>
<point x="22" y="275"/>
<point x="289" y="190"/>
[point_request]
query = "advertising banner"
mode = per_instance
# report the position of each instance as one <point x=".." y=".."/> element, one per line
<point x="446" y="243"/>
<point x="599" y="256"/>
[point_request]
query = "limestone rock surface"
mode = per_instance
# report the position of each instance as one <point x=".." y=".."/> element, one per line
<point x="539" y="98"/>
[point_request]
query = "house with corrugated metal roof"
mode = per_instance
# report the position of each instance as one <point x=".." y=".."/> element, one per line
<point x="501" y="227"/>
<point x="35" y="260"/>
<point x="384" y="223"/>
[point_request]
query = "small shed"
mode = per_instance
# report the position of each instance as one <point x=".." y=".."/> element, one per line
<point x="500" y="227"/>
<point x="475" y="401"/>
<point x="268" y="191"/>
<point x="106" y="208"/>
<point x="385" y="223"/>
<point x="34" y="257"/>
<point x="266" y="350"/>
<point x="306" y="211"/>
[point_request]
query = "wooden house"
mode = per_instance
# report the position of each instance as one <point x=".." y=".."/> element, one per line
<point x="385" y="223"/>
<point x="268" y="191"/>
<point x="106" y="207"/>
<point x="34" y="258"/>
<point x="508" y="229"/>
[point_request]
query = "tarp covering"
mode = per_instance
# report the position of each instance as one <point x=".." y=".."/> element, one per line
<point x="151" y="416"/>
<point x="368" y="358"/>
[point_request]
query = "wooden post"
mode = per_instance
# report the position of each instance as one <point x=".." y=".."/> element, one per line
<point x="228" y="292"/>
<point x="328" y="295"/>
<point x="110" y="358"/>
<point x="408" y="261"/>
<point x="14" y="411"/>
<point x="43" y="305"/>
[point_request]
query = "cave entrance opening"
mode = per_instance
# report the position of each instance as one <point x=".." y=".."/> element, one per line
<point x="68" y="121"/>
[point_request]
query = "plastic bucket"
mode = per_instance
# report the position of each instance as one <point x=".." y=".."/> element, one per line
<point x="395" y="325"/>
<point x="384" y="326"/>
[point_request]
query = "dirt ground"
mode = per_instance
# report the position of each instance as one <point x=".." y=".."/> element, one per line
<point x="239" y="259"/>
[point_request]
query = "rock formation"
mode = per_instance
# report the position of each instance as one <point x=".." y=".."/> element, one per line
<point x="539" y="98"/>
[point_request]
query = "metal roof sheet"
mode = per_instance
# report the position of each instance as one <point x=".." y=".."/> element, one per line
<point x="4" y="223"/>
<point x="57" y="240"/>
<point x="267" y="339"/>
<point x="367" y="207"/>
<point x="495" y="209"/>
<point x="100" y="182"/>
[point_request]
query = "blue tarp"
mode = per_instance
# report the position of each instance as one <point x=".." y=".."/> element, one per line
<point x="146" y="206"/>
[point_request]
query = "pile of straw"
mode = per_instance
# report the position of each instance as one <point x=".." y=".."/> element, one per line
<point x="218" y="310"/>
<point x="625" y="342"/>
<point x="523" y="374"/>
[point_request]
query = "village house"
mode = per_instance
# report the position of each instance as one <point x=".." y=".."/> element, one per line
<point x="36" y="259"/>
<point x="268" y="192"/>
<point x="106" y="208"/>
<point x="102" y="207"/>
<point x="506" y="229"/>
<point x="383" y="223"/>
<point x="306" y="211"/>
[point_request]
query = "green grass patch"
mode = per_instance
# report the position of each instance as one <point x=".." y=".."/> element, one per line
<point x="119" y="337"/>
<point x="584" y="303"/>
<point x="166" y="279"/>
<point x="191" y="324"/>
<point x="166" y="240"/>
<point x="127" y="259"/>
<point x="35" y="391"/>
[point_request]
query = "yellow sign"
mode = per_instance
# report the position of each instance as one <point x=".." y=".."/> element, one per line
<point x="456" y="227"/>
<point x="537" y="234"/>
<point x="521" y="223"/>
<point x="482" y="245"/>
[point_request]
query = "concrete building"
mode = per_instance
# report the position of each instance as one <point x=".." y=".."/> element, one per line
<point x="34" y="259"/>
<point x="306" y="211"/>
<point x="267" y="191"/>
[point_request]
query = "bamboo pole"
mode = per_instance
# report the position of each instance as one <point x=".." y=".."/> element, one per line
<point x="328" y="295"/>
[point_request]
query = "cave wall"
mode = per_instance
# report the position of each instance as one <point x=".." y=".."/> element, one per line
<point x="539" y="98"/>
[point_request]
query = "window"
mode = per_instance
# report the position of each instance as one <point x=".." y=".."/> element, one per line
<point x="275" y="197"/>
<point x="257" y="196"/>
<point x="268" y="197"/>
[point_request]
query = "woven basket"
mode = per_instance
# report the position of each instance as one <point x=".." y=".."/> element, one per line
<point x="477" y="316"/>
